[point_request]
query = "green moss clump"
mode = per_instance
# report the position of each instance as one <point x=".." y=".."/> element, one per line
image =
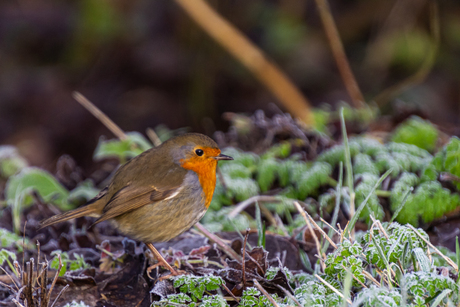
<point x="418" y="132"/>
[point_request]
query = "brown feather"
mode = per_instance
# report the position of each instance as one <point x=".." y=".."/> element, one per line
<point x="131" y="198"/>
<point x="92" y="208"/>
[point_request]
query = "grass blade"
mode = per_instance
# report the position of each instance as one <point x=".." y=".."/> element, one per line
<point x="406" y="196"/>
<point x="354" y="219"/>
<point x="346" y="288"/>
<point x="260" y="227"/>
<point x="338" y="194"/>
<point x="440" y="297"/>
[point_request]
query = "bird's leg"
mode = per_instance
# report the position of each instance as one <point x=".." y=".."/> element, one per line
<point x="162" y="262"/>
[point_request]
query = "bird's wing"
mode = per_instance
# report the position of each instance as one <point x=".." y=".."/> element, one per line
<point x="130" y="198"/>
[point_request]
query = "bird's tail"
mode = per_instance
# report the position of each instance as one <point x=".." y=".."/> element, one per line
<point x="92" y="208"/>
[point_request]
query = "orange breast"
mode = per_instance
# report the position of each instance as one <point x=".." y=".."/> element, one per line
<point x="206" y="171"/>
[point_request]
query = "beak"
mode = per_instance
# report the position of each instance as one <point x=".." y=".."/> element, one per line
<point x="223" y="157"/>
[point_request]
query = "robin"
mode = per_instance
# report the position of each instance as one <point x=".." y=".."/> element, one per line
<point x="159" y="194"/>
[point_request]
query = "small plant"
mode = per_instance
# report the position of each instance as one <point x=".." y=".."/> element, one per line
<point x="346" y="256"/>
<point x="192" y="292"/>
<point x="67" y="263"/>
<point x="10" y="161"/>
<point x="447" y="160"/>
<point x="133" y="145"/>
<point x="9" y="257"/>
<point x="19" y="189"/>
<point x="11" y="240"/>
<point x="32" y="282"/>
<point x="416" y="131"/>
<point x="392" y="246"/>
<point x="429" y="201"/>
<point x="314" y="293"/>
<point x="253" y="298"/>
<point x="196" y="286"/>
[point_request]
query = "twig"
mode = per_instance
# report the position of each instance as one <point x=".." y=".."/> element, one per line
<point x="99" y="115"/>
<point x="230" y="292"/>
<point x="332" y="288"/>
<point x="55" y="277"/>
<point x="339" y="53"/>
<point x="205" y="261"/>
<point x="265" y="293"/>
<point x="318" y="246"/>
<point x="447" y="259"/>
<point x="250" y="56"/>
<point x="151" y="134"/>
<point x="17" y="303"/>
<point x="212" y="237"/>
<point x="7" y="286"/>
<point x="258" y="198"/>
<point x="7" y="278"/>
<point x="18" y="296"/>
<point x="44" y="299"/>
<point x="445" y="176"/>
<point x="59" y="295"/>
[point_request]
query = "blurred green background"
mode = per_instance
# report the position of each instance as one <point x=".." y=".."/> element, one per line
<point x="145" y="63"/>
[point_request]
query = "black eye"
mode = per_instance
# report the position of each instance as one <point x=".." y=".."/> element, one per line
<point x="199" y="152"/>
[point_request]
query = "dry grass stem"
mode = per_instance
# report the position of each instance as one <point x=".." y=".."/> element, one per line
<point x="212" y="237"/>
<point x="377" y="222"/>
<point x="318" y="245"/>
<point x="371" y="278"/>
<point x="359" y="281"/>
<point x="7" y="278"/>
<point x="153" y="137"/>
<point x="447" y="259"/>
<point x="342" y="234"/>
<point x="244" y="204"/>
<point x="17" y="303"/>
<point x="230" y="292"/>
<point x="250" y="56"/>
<point x="99" y="115"/>
<point x="55" y="276"/>
<point x="321" y="231"/>
<point x="59" y="295"/>
<point x="332" y="288"/>
<point x="338" y="51"/>
<point x="268" y="214"/>
<point x="288" y="294"/>
<point x="330" y="226"/>
<point x="265" y="293"/>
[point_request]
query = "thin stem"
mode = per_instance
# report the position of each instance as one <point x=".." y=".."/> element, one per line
<point x="265" y="293"/>
<point x="250" y="56"/>
<point x="315" y="238"/>
<point x="213" y="238"/>
<point x="338" y="51"/>
<point x="99" y="115"/>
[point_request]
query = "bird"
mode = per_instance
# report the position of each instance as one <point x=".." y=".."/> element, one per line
<point x="158" y="194"/>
